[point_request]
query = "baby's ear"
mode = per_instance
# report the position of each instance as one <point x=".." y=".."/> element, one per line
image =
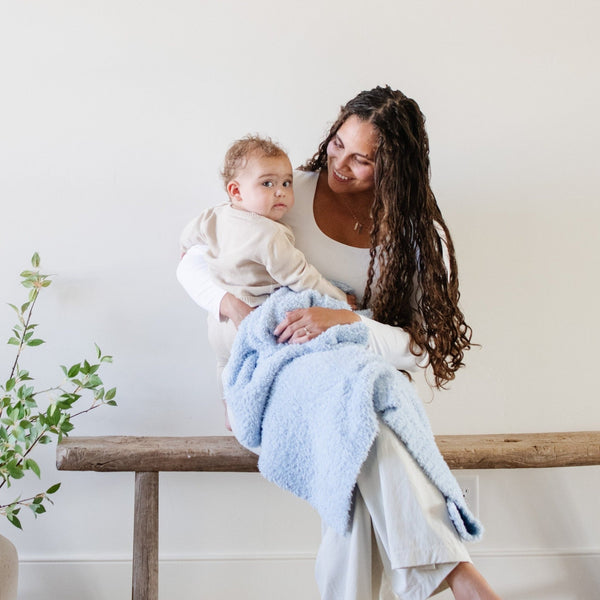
<point x="233" y="189"/>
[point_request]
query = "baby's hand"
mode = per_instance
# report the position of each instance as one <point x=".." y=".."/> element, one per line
<point x="351" y="300"/>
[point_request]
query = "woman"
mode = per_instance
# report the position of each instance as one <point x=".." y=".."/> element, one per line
<point x="365" y="215"/>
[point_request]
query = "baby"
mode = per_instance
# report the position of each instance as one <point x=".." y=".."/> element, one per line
<point x="249" y="253"/>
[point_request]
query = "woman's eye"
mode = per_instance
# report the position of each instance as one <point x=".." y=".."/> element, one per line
<point x="361" y="161"/>
<point x="337" y="143"/>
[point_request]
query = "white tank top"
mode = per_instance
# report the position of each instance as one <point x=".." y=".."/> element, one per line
<point x="335" y="261"/>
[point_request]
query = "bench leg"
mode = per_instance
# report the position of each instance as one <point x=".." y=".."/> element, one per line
<point x="145" y="538"/>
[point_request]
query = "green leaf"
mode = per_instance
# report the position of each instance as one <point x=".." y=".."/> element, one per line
<point x="14" y="341"/>
<point x="32" y="465"/>
<point x="35" y="260"/>
<point x="19" y="434"/>
<point x="10" y="384"/>
<point x="111" y="394"/>
<point x="111" y="403"/>
<point x="38" y="509"/>
<point x="53" y="489"/>
<point x="93" y="382"/>
<point x="14" y="520"/>
<point x="14" y="471"/>
<point x="98" y="351"/>
<point x="73" y="371"/>
<point x="36" y="342"/>
<point x="67" y="427"/>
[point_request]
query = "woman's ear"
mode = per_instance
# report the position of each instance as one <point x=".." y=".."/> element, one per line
<point x="233" y="190"/>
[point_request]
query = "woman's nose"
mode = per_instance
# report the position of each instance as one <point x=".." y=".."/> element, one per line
<point x="341" y="160"/>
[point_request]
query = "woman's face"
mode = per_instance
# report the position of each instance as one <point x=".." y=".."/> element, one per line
<point x="351" y="157"/>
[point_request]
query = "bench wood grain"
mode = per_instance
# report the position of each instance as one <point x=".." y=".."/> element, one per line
<point x="147" y="456"/>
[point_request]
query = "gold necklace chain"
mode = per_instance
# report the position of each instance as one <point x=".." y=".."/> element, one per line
<point x="358" y="226"/>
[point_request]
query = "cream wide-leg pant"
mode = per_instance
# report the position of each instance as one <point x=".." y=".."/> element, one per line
<point x="402" y="544"/>
<point x="221" y="335"/>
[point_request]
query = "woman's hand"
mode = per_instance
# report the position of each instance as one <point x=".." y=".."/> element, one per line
<point x="235" y="309"/>
<point x="304" y="324"/>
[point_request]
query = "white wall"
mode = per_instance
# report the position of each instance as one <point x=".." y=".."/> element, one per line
<point x="114" y="117"/>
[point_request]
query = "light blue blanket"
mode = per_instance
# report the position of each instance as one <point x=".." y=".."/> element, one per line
<point x="313" y="410"/>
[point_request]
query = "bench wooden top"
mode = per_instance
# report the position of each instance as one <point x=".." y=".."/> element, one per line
<point x="224" y="453"/>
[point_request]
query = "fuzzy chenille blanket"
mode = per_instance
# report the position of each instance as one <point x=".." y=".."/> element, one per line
<point x="313" y="409"/>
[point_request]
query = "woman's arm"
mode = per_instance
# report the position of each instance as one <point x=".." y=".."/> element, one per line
<point x="194" y="276"/>
<point x="393" y="343"/>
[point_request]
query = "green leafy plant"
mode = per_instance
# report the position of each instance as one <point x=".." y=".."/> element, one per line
<point x="29" y="417"/>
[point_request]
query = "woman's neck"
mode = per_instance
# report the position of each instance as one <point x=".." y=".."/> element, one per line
<point x="345" y="218"/>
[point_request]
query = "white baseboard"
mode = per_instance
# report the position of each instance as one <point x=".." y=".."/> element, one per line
<point x="250" y="578"/>
<point x="529" y="574"/>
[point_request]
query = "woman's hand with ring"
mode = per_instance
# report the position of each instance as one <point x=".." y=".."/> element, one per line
<point x="304" y="324"/>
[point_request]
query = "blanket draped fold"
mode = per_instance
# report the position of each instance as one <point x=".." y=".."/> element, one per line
<point x="314" y="410"/>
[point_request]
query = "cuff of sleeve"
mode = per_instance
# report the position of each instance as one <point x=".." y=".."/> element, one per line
<point x="393" y="343"/>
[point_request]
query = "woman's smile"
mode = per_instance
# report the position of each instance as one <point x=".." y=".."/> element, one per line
<point x="339" y="176"/>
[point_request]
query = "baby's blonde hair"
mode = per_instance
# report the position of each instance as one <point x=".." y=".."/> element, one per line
<point x="241" y="150"/>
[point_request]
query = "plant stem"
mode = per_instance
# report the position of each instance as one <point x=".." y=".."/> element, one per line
<point x="24" y="502"/>
<point x="20" y="348"/>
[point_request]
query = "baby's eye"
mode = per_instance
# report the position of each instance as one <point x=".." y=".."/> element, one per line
<point x="267" y="183"/>
<point x="287" y="184"/>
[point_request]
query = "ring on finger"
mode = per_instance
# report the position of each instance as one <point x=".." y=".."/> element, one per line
<point x="306" y="331"/>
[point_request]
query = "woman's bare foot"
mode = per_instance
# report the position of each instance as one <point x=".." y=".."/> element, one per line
<point x="467" y="583"/>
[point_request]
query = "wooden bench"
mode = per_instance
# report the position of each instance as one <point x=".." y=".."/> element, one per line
<point x="147" y="456"/>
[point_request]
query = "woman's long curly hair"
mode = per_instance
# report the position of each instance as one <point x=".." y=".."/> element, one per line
<point x="412" y="288"/>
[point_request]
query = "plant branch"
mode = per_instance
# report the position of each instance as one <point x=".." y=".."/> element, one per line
<point x="25" y="425"/>
<point x="26" y="326"/>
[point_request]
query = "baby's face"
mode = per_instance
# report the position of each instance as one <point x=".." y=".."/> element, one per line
<point x="264" y="187"/>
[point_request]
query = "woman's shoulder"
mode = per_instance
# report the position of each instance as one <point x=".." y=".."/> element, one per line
<point x="305" y="182"/>
<point x="305" y="185"/>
